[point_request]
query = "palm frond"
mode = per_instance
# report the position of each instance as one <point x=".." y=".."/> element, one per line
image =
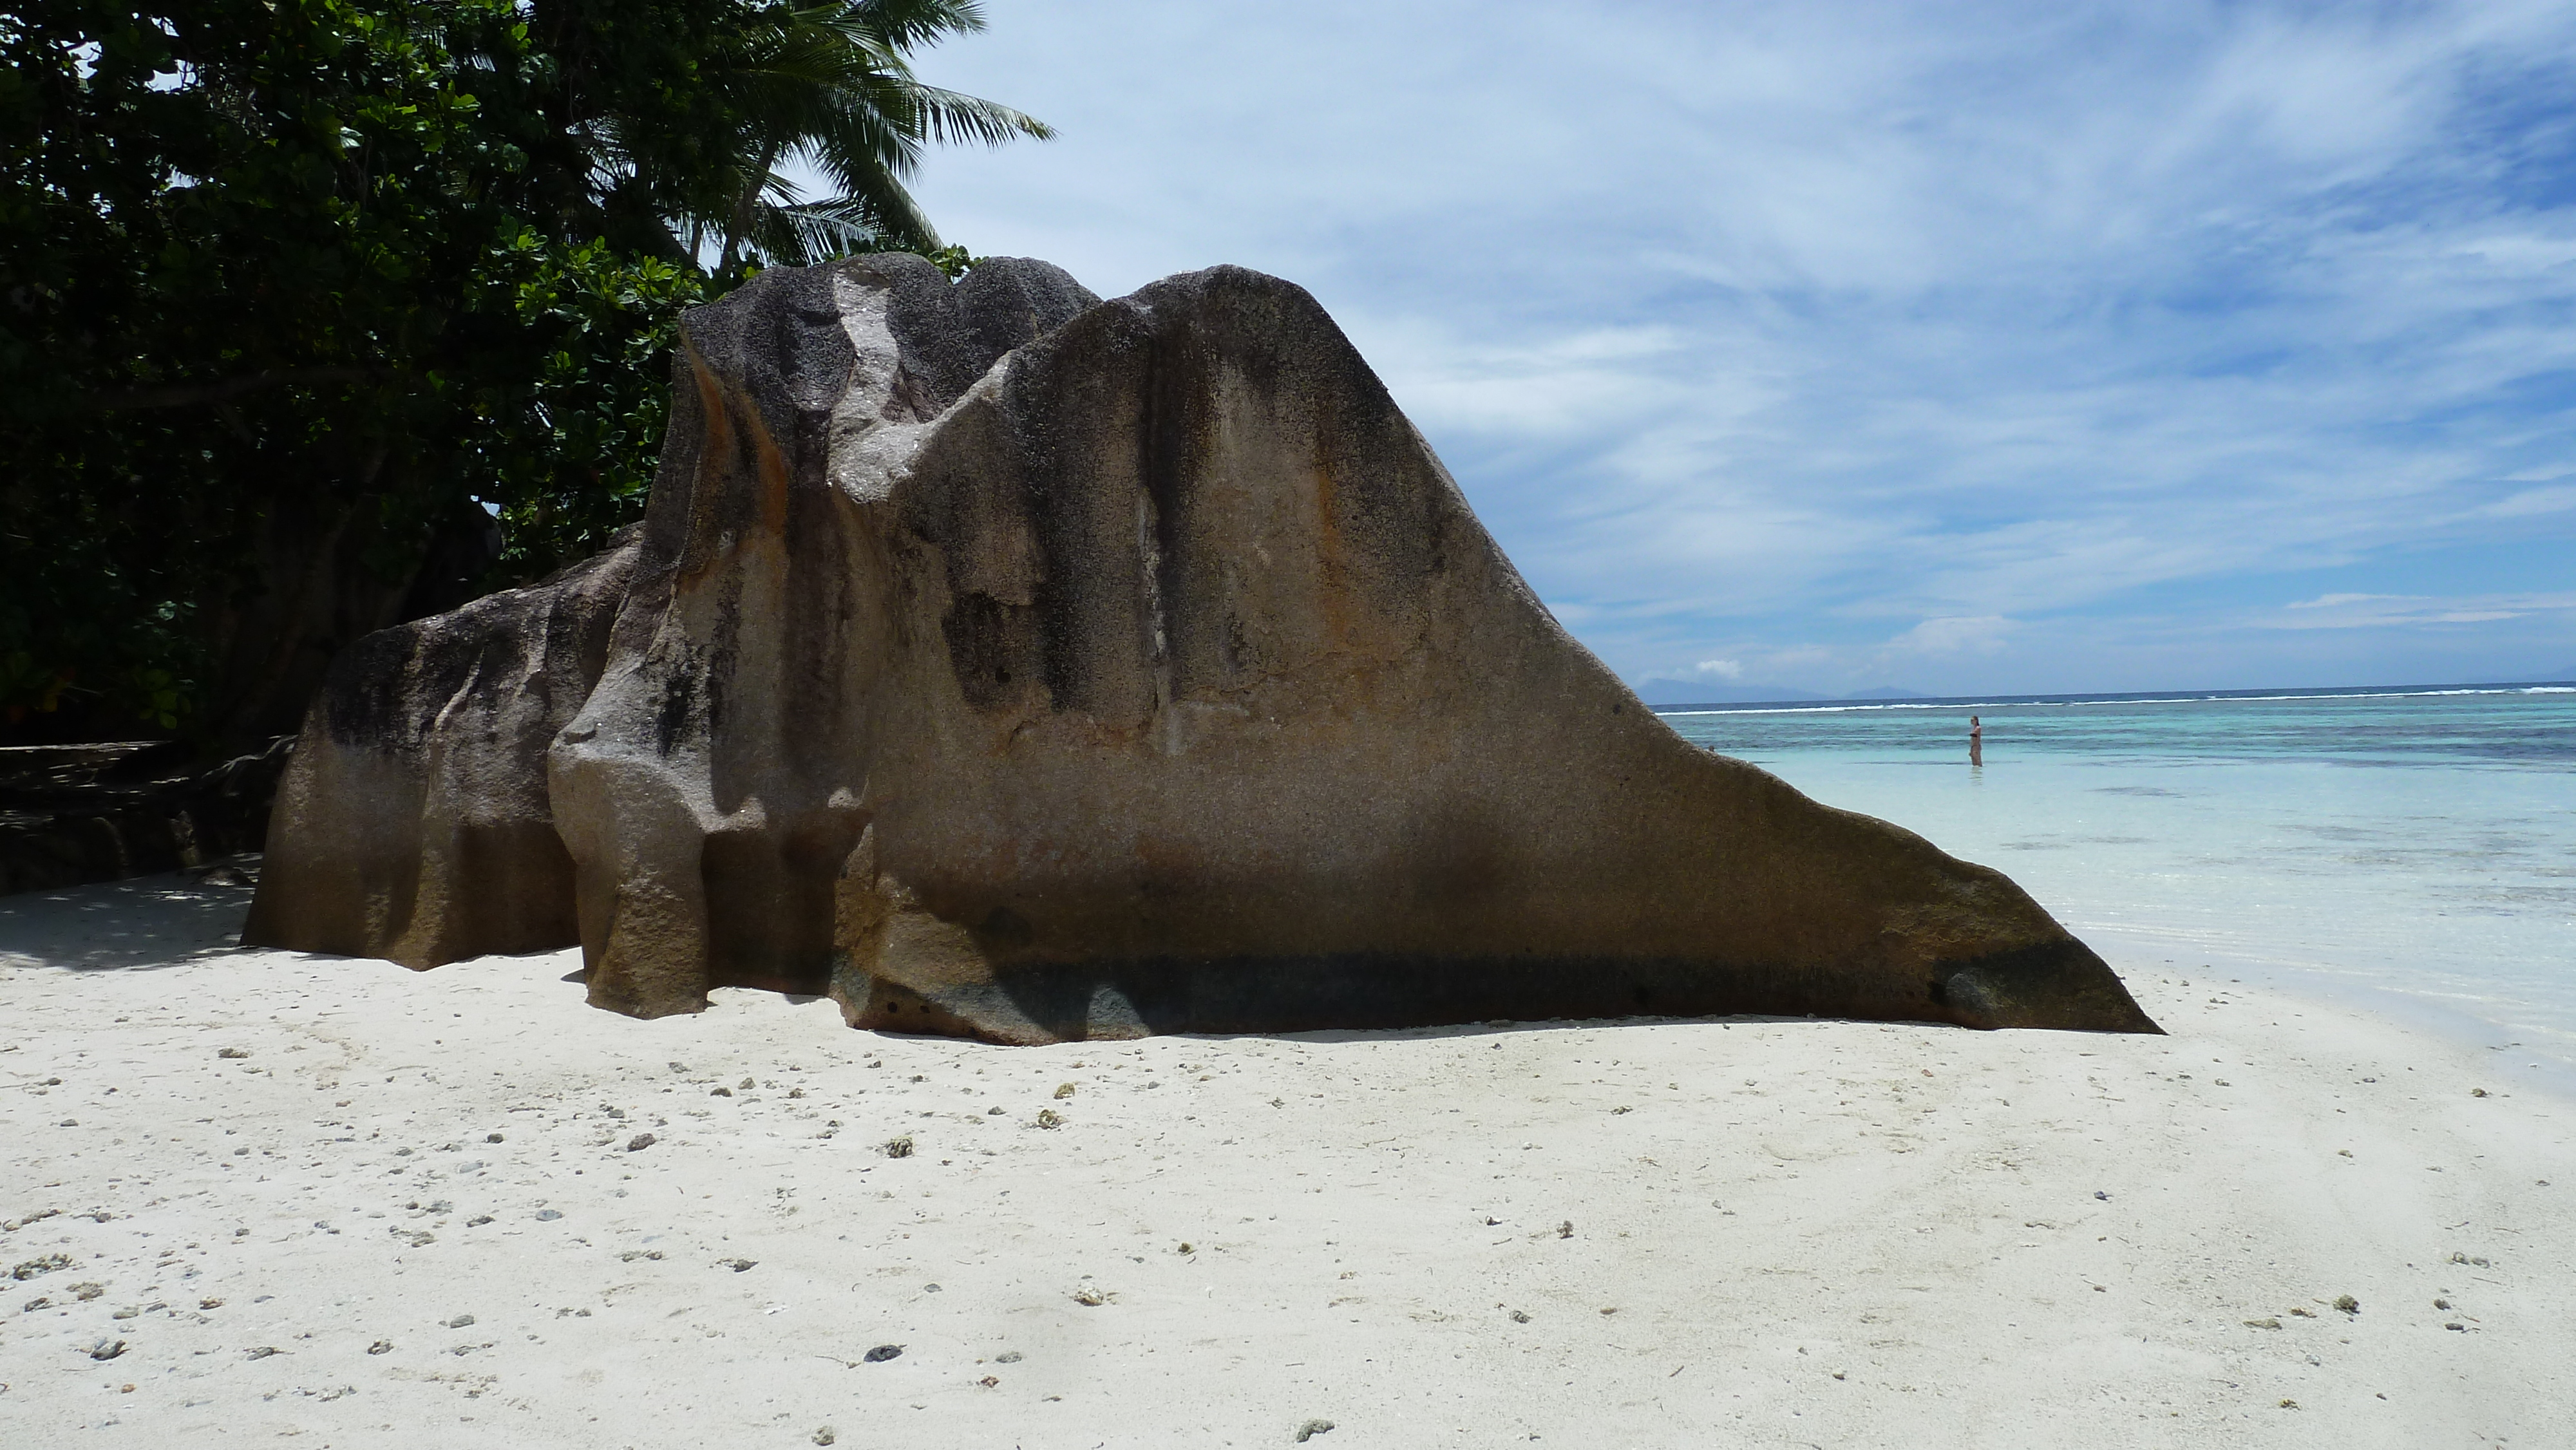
<point x="830" y="85"/>
<point x="952" y="116"/>
<point x="908" y="24"/>
<point x="822" y="230"/>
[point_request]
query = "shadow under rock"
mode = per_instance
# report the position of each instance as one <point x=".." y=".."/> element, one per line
<point x="139" y="923"/>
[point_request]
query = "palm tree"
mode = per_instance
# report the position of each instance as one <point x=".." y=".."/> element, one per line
<point x="830" y="86"/>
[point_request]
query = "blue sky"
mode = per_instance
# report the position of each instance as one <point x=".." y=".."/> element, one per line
<point x="1971" y="347"/>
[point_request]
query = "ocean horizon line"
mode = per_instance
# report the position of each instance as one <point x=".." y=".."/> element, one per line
<point x="1813" y="705"/>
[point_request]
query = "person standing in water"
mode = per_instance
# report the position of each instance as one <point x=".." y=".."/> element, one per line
<point x="1976" y="741"/>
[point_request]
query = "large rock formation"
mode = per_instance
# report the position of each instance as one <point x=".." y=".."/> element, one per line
<point x="1014" y="664"/>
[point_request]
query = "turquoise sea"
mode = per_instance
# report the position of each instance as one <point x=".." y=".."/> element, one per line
<point x="2410" y="849"/>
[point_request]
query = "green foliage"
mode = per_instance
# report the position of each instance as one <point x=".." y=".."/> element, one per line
<point x="294" y="293"/>
<point x="567" y="442"/>
<point x="829" y="84"/>
<point x="951" y="260"/>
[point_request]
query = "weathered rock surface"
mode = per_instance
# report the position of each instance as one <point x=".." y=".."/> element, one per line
<point x="413" y="823"/>
<point x="1013" y="664"/>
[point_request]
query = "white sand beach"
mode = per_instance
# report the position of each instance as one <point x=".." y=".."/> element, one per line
<point x="324" y="1202"/>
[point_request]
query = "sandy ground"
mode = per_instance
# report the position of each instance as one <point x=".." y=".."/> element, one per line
<point x="253" y="1197"/>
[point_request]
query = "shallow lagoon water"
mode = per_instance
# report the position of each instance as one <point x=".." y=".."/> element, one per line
<point x="2414" y="847"/>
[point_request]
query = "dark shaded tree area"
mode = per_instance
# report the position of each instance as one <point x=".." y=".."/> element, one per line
<point x="318" y="315"/>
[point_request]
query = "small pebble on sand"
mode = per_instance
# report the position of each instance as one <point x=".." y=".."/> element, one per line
<point x="44" y="1264"/>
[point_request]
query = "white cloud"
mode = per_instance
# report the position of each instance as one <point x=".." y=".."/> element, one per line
<point x="2339" y="601"/>
<point x="2378" y="611"/>
<point x="2532" y="502"/>
<point x="1982" y="635"/>
<point x="1722" y="669"/>
<point x="1539" y="388"/>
